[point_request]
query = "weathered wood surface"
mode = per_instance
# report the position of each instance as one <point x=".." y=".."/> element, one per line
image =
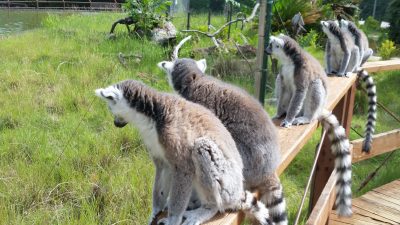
<point x="382" y="143"/>
<point x="379" y="66"/>
<point x="379" y="206"/>
<point x="325" y="202"/>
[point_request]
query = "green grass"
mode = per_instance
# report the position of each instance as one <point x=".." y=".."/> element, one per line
<point x="62" y="161"/>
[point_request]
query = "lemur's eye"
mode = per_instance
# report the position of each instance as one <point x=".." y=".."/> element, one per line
<point x="277" y="46"/>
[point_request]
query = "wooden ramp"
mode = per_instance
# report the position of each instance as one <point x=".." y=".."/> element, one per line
<point x="379" y="206"/>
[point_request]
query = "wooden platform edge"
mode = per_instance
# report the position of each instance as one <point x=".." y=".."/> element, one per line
<point x="381" y="143"/>
<point x="320" y="213"/>
<point x="380" y="66"/>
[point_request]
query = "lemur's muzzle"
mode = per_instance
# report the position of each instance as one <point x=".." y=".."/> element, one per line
<point x="119" y="123"/>
<point x="268" y="50"/>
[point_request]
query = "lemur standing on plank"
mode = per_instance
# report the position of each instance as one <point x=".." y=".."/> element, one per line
<point x="302" y="93"/>
<point x="190" y="148"/>
<point x="244" y="117"/>
<point x="359" y="38"/>
<point x="335" y="54"/>
<point x="342" y="56"/>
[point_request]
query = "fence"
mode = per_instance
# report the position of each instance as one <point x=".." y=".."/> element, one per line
<point x="113" y="5"/>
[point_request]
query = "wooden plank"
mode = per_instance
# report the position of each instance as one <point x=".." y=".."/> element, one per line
<point x="386" y="197"/>
<point x="324" y="205"/>
<point x="377" y="208"/>
<point x="365" y="213"/>
<point x="381" y="143"/>
<point x="373" y="197"/>
<point x="355" y="219"/>
<point x="379" y="66"/>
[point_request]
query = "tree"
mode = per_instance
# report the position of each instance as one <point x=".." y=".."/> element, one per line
<point x="394" y="20"/>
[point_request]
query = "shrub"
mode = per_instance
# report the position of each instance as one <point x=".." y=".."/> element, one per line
<point x="147" y="14"/>
<point x="387" y="49"/>
<point x="309" y="40"/>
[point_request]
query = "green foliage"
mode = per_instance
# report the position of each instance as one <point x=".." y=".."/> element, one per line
<point x="284" y="10"/>
<point x="147" y="14"/>
<point x="394" y="20"/>
<point x="387" y="49"/>
<point x="309" y="40"/>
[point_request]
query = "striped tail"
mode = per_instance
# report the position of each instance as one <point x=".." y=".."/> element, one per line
<point x="255" y="209"/>
<point x="371" y="91"/>
<point x="341" y="151"/>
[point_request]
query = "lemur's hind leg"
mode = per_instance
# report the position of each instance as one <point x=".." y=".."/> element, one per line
<point x="218" y="182"/>
<point x="272" y="196"/>
<point x="313" y="103"/>
<point x="283" y="95"/>
<point x="366" y="55"/>
<point x="354" y="62"/>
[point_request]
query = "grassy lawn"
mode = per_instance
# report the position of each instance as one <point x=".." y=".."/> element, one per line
<point x="62" y="161"/>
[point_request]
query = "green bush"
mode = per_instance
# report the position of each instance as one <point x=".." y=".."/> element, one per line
<point x="309" y="40"/>
<point x="147" y="14"/>
<point x="387" y="49"/>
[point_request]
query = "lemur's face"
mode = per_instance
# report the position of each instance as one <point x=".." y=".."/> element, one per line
<point x="181" y="65"/>
<point x="275" y="47"/>
<point x="116" y="103"/>
<point x="330" y="27"/>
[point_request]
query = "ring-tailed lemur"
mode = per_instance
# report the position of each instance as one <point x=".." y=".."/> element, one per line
<point x="301" y="96"/>
<point x="359" y="38"/>
<point x="190" y="148"/>
<point x="244" y="117"/>
<point x="336" y="37"/>
<point x="342" y="56"/>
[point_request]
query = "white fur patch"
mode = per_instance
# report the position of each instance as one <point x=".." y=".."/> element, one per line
<point x="202" y="65"/>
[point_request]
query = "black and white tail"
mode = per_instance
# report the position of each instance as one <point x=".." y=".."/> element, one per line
<point x="255" y="209"/>
<point x="371" y="91"/>
<point x="341" y="151"/>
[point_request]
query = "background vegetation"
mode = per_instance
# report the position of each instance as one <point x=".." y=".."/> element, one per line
<point x="62" y="161"/>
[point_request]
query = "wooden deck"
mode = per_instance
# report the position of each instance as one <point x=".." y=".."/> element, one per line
<point x="379" y="206"/>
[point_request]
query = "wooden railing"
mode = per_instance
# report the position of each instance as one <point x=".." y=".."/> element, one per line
<point x="341" y="92"/>
<point x="112" y="5"/>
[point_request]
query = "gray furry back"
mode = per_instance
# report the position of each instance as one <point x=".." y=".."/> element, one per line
<point x="250" y="126"/>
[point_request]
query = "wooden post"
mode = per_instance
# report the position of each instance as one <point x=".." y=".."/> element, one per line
<point x="325" y="165"/>
<point x="209" y="16"/>
<point x="188" y="16"/>
<point x="37" y="4"/>
<point x="230" y="19"/>
<point x="263" y="40"/>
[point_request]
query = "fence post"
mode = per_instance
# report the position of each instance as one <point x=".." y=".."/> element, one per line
<point x="37" y="4"/>
<point x="264" y="27"/>
<point x="188" y="15"/>
<point x="230" y="19"/>
<point x="209" y="17"/>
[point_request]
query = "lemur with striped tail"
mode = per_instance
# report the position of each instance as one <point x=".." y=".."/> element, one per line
<point x="339" y="45"/>
<point x="302" y="92"/>
<point x="191" y="149"/>
<point x="342" y="56"/>
<point x="244" y="117"/>
<point x="359" y="38"/>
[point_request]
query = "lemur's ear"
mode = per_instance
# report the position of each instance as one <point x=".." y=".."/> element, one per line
<point x="202" y="65"/>
<point x="166" y="66"/>
<point x="108" y="94"/>
<point x="324" y="23"/>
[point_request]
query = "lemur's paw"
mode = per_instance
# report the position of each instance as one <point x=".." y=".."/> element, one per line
<point x="286" y="123"/>
<point x="191" y="221"/>
<point x="348" y="74"/>
<point x="301" y="121"/>
<point x="163" y="221"/>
